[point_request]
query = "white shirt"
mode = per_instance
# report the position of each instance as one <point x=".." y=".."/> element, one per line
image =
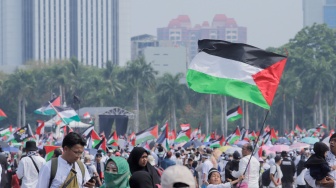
<point x="207" y="165"/>
<point x="222" y="185"/>
<point x="252" y="172"/>
<point x="63" y="169"/>
<point x="277" y="174"/>
<point x="300" y="179"/>
<point x="27" y="171"/>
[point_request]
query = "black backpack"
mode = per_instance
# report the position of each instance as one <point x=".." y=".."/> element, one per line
<point x="265" y="177"/>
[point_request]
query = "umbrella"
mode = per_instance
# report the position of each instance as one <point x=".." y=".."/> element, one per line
<point x="310" y="140"/>
<point x="224" y="148"/>
<point x="233" y="149"/>
<point x="279" y="148"/>
<point x="240" y="143"/>
<point x="193" y="143"/>
<point x="11" y="149"/>
<point x="3" y="144"/>
<point x="266" y="149"/>
<point x="299" y="146"/>
<point x="283" y="141"/>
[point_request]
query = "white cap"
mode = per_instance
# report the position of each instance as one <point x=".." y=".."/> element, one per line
<point x="177" y="174"/>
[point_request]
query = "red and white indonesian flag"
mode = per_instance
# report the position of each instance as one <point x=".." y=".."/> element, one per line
<point x="86" y="115"/>
<point x="185" y="127"/>
<point x="238" y="70"/>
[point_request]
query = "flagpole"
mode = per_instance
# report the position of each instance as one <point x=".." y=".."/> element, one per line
<point x="255" y="145"/>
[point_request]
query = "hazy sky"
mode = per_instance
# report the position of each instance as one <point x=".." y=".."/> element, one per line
<point x="270" y="23"/>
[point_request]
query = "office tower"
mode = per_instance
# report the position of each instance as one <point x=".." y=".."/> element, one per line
<point x="329" y="15"/>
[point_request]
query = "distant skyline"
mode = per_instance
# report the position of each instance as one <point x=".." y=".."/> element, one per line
<point x="269" y="23"/>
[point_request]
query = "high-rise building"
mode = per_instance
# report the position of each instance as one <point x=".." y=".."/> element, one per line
<point x="10" y="33"/>
<point x="92" y="31"/>
<point x="312" y="12"/>
<point x="329" y="16"/>
<point x="140" y="42"/>
<point x="182" y="33"/>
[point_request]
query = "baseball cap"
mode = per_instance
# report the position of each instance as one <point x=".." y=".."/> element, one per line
<point x="177" y="174"/>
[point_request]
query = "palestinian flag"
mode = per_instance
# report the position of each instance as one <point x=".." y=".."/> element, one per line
<point x="267" y="129"/>
<point x="252" y="135"/>
<point x="238" y="70"/>
<point x="6" y="132"/>
<point x="50" y="151"/>
<point x="164" y="137"/>
<point x="67" y="114"/>
<point x="147" y="134"/>
<point x="171" y="136"/>
<point x="47" y="108"/>
<point x="321" y="126"/>
<point x="87" y="131"/>
<point x="66" y="130"/>
<point x="273" y="137"/>
<point x="217" y="143"/>
<point x="234" y="136"/>
<point x="298" y="129"/>
<point x="86" y="115"/>
<point x="102" y="145"/>
<point x="40" y="127"/>
<point x="206" y="139"/>
<point x="234" y="114"/>
<point x="2" y="115"/>
<point x="113" y="140"/>
<point x="93" y="139"/>
<point x="185" y="127"/>
<point x="131" y="138"/>
<point x="183" y="136"/>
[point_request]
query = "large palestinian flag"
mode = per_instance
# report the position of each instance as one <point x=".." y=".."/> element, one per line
<point x="147" y="134"/>
<point x="238" y="70"/>
<point x="67" y="114"/>
<point x="234" y="114"/>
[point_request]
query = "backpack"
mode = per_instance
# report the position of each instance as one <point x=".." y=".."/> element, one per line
<point x="54" y="165"/>
<point x="265" y="177"/>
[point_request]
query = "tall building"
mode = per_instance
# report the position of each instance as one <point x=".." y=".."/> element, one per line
<point x="182" y="33"/>
<point x="141" y="42"/>
<point x="10" y="33"/>
<point x="92" y="31"/>
<point x="319" y="12"/>
<point x="312" y="12"/>
<point x="329" y="16"/>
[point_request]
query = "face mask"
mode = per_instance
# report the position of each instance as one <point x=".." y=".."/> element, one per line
<point x="116" y="180"/>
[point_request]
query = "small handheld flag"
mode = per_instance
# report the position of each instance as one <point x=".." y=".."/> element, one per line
<point x="234" y="114"/>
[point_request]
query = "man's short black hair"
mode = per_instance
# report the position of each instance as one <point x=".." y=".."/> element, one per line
<point x="72" y="139"/>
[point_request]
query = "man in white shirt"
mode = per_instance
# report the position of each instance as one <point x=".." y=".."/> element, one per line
<point x="67" y="164"/>
<point x="251" y="171"/>
<point x="207" y="165"/>
<point x="29" y="166"/>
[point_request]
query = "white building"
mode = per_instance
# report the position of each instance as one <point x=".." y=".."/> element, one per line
<point x="41" y="30"/>
<point x="171" y="60"/>
<point x="10" y="34"/>
<point x="312" y="12"/>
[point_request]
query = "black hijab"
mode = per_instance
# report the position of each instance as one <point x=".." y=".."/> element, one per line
<point x="133" y="162"/>
<point x="141" y="179"/>
<point x="318" y="158"/>
<point x="134" y="157"/>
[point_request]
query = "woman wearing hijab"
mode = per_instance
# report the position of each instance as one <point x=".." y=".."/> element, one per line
<point x="141" y="179"/>
<point x="316" y="163"/>
<point x="138" y="162"/>
<point x="117" y="173"/>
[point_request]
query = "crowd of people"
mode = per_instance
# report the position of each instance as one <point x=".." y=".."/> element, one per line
<point x="137" y="167"/>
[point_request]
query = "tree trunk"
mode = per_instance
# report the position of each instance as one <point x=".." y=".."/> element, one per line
<point x="206" y="115"/>
<point x="174" y="116"/>
<point x="314" y="115"/>
<point x="284" y="116"/>
<point x="293" y="114"/>
<point x="222" y="114"/>
<point x="146" y="113"/>
<point x="243" y="118"/>
<point x="210" y="113"/>
<point x="320" y="107"/>
<point x="23" y="111"/>
<point x="225" y="121"/>
<point x="327" y="114"/>
<point x="247" y="125"/>
<point x="61" y="95"/>
<point x="136" y="126"/>
<point x="19" y="112"/>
